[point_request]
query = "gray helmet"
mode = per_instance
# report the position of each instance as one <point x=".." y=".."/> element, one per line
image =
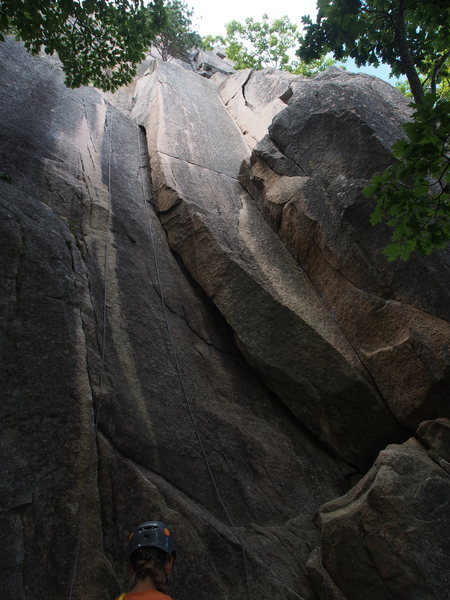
<point x="151" y="534"/>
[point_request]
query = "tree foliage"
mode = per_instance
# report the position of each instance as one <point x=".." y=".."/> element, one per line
<point x="98" y="42"/>
<point x="313" y="67"/>
<point x="412" y="36"/>
<point x="261" y="44"/>
<point x="442" y="89"/>
<point x="177" y="37"/>
<point x="414" y="193"/>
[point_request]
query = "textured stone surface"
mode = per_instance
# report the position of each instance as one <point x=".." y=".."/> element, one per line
<point x="388" y="537"/>
<point x="206" y="63"/>
<point x="333" y="119"/>
<point x="59" y="488"/>
<point x="276" y="315"/>
<point x="435" y="435"/>
<point x="395" y="315"/>
<point x="87" y="452"/>
<point x="253" y="98"/>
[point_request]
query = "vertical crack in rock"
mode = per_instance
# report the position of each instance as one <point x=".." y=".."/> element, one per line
<point x="243" y="90"/>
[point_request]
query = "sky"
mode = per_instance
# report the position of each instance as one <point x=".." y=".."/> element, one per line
<point x="214" y="14"/>
<point x="210" y="17"/>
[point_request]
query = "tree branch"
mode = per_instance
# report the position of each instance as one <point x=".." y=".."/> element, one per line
<point x="401" y="37"/>
<point x="437" y="68"/>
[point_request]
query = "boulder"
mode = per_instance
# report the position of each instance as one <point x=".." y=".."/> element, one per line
<point x="334" y="118"/>
<point x="388" y="537"/>
<point x="337" y="130"/>
<point x="207" y="62"/>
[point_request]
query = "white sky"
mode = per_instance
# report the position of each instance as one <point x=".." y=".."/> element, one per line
<point x="210" y="17"/>
<point x="215" y="14"/>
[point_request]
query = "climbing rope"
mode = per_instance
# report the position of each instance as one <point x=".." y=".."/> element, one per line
<point x="96" y="417"/>
<point x="105" y="282"/>
<point x="323" y="573"/>
<point x="181" y="381"/>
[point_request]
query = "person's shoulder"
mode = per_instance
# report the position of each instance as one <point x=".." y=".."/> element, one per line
<point x="158" y="596"/>
<point x="150" y="594"/>
<point x="155" y="595"/>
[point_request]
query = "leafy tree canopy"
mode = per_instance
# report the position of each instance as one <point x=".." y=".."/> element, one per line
<point x="442" y="86"/>
<point x="261" y="44"/>
<point x="412" y="36"/>
<point x="313" y="67"/>
<point x="98" y="42"/>
<point x="413" y="194"/>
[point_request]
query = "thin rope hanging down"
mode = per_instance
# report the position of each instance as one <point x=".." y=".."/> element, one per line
<point x="180" y="377"/>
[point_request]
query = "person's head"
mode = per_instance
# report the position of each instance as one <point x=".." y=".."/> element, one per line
<point x="151" y="552"/>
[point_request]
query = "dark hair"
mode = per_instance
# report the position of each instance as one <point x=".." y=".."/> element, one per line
<point x="150" y="562"/>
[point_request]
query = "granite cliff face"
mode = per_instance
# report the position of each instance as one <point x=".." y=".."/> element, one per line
<point x="197" y="325"/>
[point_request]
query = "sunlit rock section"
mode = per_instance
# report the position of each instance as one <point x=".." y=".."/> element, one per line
<point x="279" y="320"/>
<point x="337" y="130"/>
<point x="253" y="98"/>
<point x="207" y="63"/>
<point x="69" y="498"/>
<point x="388" y="537"/>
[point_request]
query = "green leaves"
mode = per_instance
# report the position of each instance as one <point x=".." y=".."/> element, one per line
<point x="176" y="37"/>
<point x="98" y="42"/>
<point x="413" y="195"/>
<point x="260" y="44"/>
<point x="410" y="35"/>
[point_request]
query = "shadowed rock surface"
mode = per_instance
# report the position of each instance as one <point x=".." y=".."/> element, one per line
<point x="388" y="537"/>
<point x="102" y="310"/>
<point x="59" y="487"/>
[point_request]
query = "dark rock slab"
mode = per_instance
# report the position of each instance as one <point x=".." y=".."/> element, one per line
<point x="70" y="490"/>
<point x="388" y="537"/>
<point x="435" y="435"/>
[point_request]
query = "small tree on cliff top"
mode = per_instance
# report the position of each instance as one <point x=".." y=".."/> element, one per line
<point x="177" y="37"/>
<point x="412" y="36"/>
<point x="98" y="42"/>
<point x="260" y="44"/>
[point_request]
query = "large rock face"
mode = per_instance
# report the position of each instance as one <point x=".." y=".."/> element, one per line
<point x="167" y="354"/>
<point x="278" y="318"/>
<point x="76" y="219"/>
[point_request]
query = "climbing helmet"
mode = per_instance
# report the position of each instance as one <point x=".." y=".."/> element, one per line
<point x="151" y="534"/>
